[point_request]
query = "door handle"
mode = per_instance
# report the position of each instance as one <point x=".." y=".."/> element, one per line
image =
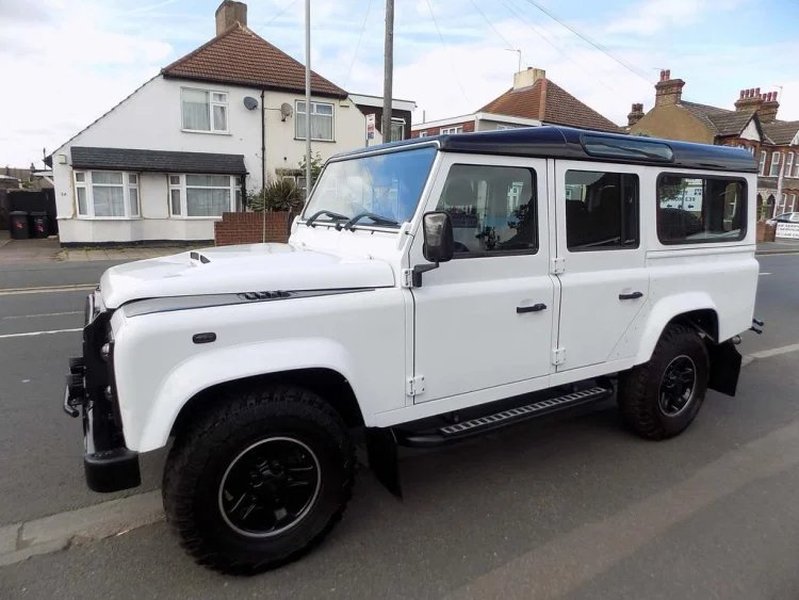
<point x="632" y="296"/>
<point x="534" y="308"/>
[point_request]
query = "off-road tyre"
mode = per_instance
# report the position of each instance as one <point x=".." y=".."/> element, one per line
<point x="640" y="389"/>
<point x="219" y="440"/>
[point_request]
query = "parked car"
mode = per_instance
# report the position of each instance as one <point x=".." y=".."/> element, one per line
<point x="431" y="290"/>
<point x="786" y="217"/>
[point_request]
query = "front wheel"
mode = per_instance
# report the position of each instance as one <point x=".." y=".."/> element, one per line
<point x="660" y="398"/>
<point x="260" y="480"/>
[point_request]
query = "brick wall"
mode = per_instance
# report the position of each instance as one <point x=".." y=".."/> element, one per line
<point x="248" y="228"/>
<point x="468" y="127"/>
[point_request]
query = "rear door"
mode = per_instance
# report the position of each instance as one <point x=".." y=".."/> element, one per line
<point x="602" y="268"/>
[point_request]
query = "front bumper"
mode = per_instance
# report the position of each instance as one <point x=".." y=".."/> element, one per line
<point x="108" y="465"/>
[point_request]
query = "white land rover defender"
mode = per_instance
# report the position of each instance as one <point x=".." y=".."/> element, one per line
<point x="431" y="290"/>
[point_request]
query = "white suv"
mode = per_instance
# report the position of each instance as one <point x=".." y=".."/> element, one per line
<point x="431" y="290"/>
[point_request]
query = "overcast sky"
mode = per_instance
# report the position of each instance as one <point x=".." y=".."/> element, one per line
<point x="63" y="63"/>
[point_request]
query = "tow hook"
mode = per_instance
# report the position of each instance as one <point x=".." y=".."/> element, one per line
<point x="757" y="326"/>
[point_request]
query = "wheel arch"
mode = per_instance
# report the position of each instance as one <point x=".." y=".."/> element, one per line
<point x="328" y="383"/>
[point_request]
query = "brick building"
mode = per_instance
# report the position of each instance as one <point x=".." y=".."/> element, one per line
<point x="533" y="101"/>
<point x="752" y="124"/>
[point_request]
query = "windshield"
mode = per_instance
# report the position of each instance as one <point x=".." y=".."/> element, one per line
<point x="382" y="189"/>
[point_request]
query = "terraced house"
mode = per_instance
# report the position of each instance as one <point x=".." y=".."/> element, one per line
<point x="752" y="124"/>
<point x="186" y="146"/>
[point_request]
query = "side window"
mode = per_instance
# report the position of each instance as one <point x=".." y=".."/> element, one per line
<point x="700" y="209"/>
<point x="493" y="209"/>
<point x="601" y="211"/>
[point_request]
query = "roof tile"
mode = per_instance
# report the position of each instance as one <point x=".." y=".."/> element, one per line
<point x="241" y="57"/>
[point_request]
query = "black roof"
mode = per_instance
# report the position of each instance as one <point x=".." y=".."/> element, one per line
<point x="582" y="144"/>
<point x="160" y="161"/>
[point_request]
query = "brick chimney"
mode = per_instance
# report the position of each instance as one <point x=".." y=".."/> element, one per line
<point x="749" y="100"/>
<point x="636" y="114"/>
<point x="528" y="77"/>
<point x="228" y="14"/>
<point x="668" y="91"/>
<point x="768" y="109"/>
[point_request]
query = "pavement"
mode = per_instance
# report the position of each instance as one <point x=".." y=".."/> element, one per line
<point x="568" y="507"/>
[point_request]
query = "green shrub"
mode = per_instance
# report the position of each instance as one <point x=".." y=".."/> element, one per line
<point x="279" y="195"/>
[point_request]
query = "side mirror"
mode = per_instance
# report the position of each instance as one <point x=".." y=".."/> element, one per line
<point x="439" y="242"/>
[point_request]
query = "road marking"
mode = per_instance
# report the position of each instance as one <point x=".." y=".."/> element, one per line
<point x="765" y="274"/>
<point x="34" y="333"/>
<point x="53" y="289"/>
<point x="769" y="353"/>
<point x="51" y="534"/>
<point x="54" y="314"/>
<point x="557" y="567"/>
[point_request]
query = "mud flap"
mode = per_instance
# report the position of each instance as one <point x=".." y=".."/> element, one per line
<point x="381" y="446"/>
<point x="725" y="367"/>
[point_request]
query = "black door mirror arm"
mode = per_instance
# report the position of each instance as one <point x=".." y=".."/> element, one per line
<point x="416" y="274"/>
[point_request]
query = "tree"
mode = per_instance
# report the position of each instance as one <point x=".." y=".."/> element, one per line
<point x="316" y="167"/>
<point x="279" y="195"/>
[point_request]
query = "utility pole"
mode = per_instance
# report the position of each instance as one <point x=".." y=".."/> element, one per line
<point x="388" y="71"/>
<point x="307" y="98"/>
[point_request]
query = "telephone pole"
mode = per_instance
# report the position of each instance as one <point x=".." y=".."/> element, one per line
<point x="388" y="71"/>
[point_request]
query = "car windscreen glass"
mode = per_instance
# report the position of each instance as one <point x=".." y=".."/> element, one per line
<point x="385" y="185"/>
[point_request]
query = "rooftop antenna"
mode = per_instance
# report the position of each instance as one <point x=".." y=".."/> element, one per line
<point x="519" y="52"/>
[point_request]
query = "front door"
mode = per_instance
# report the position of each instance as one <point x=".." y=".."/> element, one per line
<point x="485" y="318"/>
<point x="604" y="280"/>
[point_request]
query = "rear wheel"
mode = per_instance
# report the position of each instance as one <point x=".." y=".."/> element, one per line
<point x="660" y="398"/>
<point x="260" y="480"/>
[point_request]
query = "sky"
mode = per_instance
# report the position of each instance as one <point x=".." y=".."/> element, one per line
<point x="63" y="63"/>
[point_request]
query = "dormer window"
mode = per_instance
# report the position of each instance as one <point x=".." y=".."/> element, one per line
<point x="204" y="110"/>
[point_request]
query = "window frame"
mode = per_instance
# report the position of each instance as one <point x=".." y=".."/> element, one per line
<point x="88" y="186"/>
<point x="301" y="136"/>
<point x="761" y="169"/>
<point x="454" y="130"/>
<point x="772" y="163"/>
<point x="211" y="104"/>
<point x="235" y="194"/>
<point x="687" y="175"/>
<point x="601" y="169"/>
<point x="788" y="170"/>
<point x="496" y="253"/>
<point x="401" y="122"/>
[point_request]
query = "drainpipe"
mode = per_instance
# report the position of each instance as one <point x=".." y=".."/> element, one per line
<point x="263" y="163"/>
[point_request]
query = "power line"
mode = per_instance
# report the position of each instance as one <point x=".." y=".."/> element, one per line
<point x="358" y="45"/>
<point x="282" y="12"/>
<point x="446" y="49"/>
<point x="589" y="41"/>
<point x="491" y="25"/>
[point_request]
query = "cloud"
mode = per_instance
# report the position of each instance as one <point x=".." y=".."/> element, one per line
<point x="653" y="16"/>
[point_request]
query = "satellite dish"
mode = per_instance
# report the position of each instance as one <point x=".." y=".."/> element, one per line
<point x="285" y="111"/>
<point x="250" y="103"/>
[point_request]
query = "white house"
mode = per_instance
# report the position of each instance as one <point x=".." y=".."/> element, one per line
<point x="168" y="160"/>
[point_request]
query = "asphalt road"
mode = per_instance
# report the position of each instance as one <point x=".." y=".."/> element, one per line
<point x="572" y="507"/>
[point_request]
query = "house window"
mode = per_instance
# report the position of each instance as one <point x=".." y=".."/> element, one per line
<point x="716" y="214"/>
<point x="762" y="168"/>
<point x="789" y="166"/>
<point x="775" y="164"/>
<point x="321" y="121"/>
<point x="422" y="134"/>
<point x="451" y="130"/>
<point x="204" y="110"/>
<point x="107" y="194"/>
<point x="203" y="196"/>
<point x="397" y="129"/>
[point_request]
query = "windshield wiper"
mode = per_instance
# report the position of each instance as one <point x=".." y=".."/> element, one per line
<point x="378" y="220"/>
<point x="334" y="216"/>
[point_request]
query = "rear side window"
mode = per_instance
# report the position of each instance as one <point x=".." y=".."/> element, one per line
<point x="700" y="209"/>
<point x="601" y="211"/>
<point x="492" y="208"/>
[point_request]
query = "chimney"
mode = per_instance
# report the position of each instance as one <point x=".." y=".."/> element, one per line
<point x="749" y="100"/>
<point x="668" y="91"/>
<point x="636" y="114"/>
<point x="768" y="109"/>
<point x="228" y="14"/>
<point x="528" y="77"/>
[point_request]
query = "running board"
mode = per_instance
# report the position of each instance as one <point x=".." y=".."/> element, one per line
<point x="444" y="434"/>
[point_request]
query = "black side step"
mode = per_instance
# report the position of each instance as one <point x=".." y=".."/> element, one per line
<point x="457" y="431"/>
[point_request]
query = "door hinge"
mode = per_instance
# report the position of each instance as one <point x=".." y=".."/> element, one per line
<point x="558" y="266"/>
<point x="406" y="278"/>
<point x="558" y="356"/>
<point x="415" y="386"/>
